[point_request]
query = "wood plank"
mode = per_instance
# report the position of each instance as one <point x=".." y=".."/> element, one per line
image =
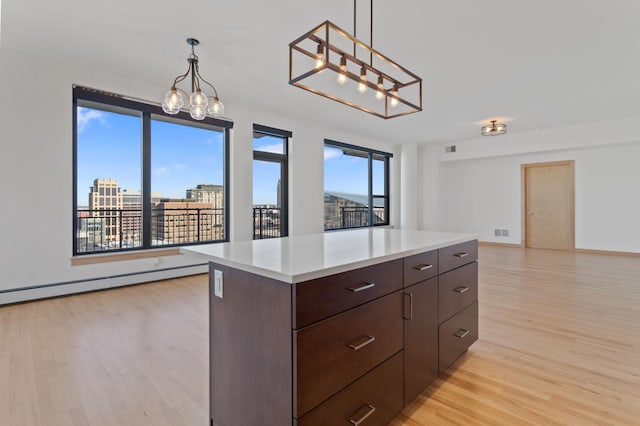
<point x="559" y="344"/>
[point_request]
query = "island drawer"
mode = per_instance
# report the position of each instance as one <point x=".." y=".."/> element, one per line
<point x="420" y="267"/>
<point x="372" y="400"/>
<point x="456" y="335"/>
<point x="318" y="299"/>
<point x="457" y="255"/>
<point x="331" y="354"/>
<point x="457" y="289"/>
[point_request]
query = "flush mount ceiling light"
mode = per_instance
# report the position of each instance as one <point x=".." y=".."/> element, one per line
<point x="199" y="103"/>
<point x="395" y="91"/>
<point x="494" y="129"/>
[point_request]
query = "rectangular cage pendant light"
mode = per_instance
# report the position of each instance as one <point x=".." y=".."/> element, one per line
<point x="332" y="63"/>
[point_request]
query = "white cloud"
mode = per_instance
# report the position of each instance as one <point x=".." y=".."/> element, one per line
<point x="86" y="115"/>
<point x="276" y="148"/>
<point x="330" y="153"/>
<point x="160" y="171"/>
<point x="179" y="166"/>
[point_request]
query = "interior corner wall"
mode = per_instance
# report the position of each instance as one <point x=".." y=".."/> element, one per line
<point x="484" y="194"/>
<point x="36" y="176"/>
<point x="409" y="186"/>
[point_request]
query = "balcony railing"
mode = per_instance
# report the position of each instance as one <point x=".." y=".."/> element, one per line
<point x="355" y="217"/>
<point x="266" y="223"/>
<point x="120" y="229"/>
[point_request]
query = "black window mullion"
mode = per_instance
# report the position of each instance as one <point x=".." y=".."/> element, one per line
<point x="75" y="175"/>
<point x="387" y="207"/>
<point x="146" y="180"/>
<point x="227" y="185"/>
<point x="370" y="182"/>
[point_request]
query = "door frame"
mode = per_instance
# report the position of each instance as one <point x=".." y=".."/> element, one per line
<point x="523" y="192"/>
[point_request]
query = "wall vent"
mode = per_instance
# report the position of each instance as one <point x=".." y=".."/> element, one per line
<point x="450" y="148"/>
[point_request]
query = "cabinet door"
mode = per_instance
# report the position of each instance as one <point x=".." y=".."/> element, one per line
<point x="420" y="337"/>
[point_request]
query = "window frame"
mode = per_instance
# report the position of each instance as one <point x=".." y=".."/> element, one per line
<point x="110" y="102"/>
<point x="283" y="160"/>
<point x="370" y="153"/>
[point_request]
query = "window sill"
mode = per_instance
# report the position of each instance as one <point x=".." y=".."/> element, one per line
<point x="91" y="259"/>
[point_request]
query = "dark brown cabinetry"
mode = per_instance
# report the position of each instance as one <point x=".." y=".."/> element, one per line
<point x="348" y="348"/>
<point x="457" y="301"/>
<point x="420" y="337"/>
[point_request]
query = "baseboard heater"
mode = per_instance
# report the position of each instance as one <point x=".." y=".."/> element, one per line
<point x="23" y="294"/>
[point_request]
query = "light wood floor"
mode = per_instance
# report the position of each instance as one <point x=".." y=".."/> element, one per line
<point x="559" y="344"/>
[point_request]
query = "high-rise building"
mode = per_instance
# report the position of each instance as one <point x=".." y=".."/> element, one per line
<point x="105" y="201"/>
<point x="212" y="195"/>
<point x="207" y="193"/>
<point x="185" y="221"/>
<point x="279" y="200"/>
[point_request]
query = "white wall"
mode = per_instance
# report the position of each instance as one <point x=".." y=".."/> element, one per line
<point x="481" y="191"/>
<point x="36" y="174"/>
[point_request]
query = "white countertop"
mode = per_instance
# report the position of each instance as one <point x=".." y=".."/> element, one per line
<point x="302" y="258"/>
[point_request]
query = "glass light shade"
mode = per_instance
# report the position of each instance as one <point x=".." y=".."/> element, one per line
<point x="198" y="99"/>
<point x="342" y="78"/>
<point x="172" y="102"/>
<point x="198" y="112"/>
<point x="494" y="129"/>
<point x="215" y="107"/>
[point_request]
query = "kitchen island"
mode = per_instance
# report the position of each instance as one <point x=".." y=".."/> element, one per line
<point x="335" y="328"/>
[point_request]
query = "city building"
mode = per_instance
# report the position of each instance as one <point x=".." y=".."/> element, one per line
<point x="179" y="220"/>
<point x="344" y="210"/>
<point x="105" y="202"/>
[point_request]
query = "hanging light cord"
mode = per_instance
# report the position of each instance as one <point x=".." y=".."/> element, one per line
<point x="355" y="32"/>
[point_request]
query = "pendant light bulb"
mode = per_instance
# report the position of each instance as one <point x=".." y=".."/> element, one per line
<point x="215" y="107"/>
<point x="380" y="91"/>
<point x="362" y="86"/>
<point x="320" y="57"/>
<point x="394" y="94"/>
<point x="342" y="75"/>
<point x="198" y="112"/>
<point x="173" y="101"/>
<point x="198" y="99"/>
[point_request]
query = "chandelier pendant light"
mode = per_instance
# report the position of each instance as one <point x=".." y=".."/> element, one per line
<point x="395" y="91"/>
<point x="494" y="129"/>
<point x="200" y="104"/>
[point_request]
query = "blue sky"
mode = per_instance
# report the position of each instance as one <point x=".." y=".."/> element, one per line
<point x="109" y="146"/>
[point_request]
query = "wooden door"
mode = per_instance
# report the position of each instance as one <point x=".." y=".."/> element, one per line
<point x="548" y="211"/>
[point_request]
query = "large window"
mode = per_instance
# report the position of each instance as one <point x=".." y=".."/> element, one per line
<point x="356" y="186"/>
<point x="270" y="199"/>
<point x="143" y="179"/>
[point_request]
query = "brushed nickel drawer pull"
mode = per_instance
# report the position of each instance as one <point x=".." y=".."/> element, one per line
<point x="370" y="410"/>
<point x="461" y="333"/>
<point x="461" y="289"/>
<point x="370" y="339"/>
<point x="461" y="255"/>
<point x="410" y="307"/>
<point x="364" y="286"/>
<point x="422" y="267"/>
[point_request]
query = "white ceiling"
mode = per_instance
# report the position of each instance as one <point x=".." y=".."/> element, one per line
<point x="535" y="64"/>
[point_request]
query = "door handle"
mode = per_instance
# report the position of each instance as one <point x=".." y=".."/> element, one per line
<point x="529" y="213"/>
